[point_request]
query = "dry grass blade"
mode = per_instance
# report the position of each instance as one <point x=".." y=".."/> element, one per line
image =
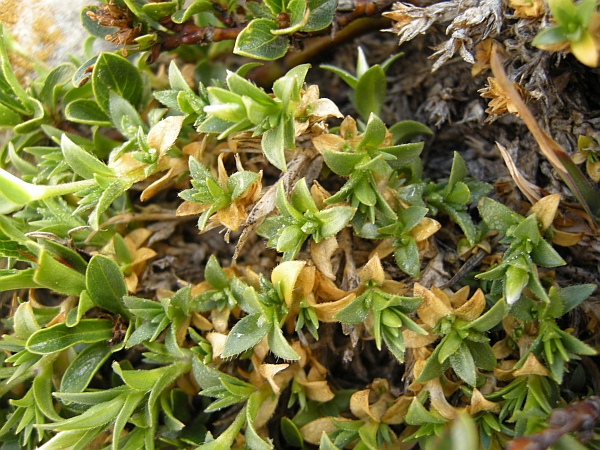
<point x="527" y="188"/>
<point x="555" y="154"/>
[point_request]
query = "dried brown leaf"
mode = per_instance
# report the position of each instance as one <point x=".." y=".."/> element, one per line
<point x="321" y="254"/>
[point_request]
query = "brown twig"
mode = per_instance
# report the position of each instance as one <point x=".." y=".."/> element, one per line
<point x="189" y="33"/>
<point x="580" y="416"/>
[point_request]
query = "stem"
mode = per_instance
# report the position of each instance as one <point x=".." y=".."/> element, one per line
<point x="191" y="34"/>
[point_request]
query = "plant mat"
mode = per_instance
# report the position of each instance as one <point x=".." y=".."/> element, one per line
<point x="373" y="386"/>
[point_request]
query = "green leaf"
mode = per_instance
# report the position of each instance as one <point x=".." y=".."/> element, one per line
<point x="87" y="112"/>
<point x="457" y="173"/>
<point x="459" y="194"/>
<point x="280" y="346"/>
<point x="167" y="377"/>
<point x="106" y="285"/>
<point x="548" y="36"/>
<point x="96" y="416"/>
<point x="370" y="92"/>
<point x="57" y="276"/>
<point x="342" y="163"/>
<point x="8" y="117"/>
<point x="365" y="192"/>
<point x="226" y="439"/>
<point x="276" y="6"/>
<point x="301" y="198"/>
<point x="253" y="440"/>
<point x="432" y="368"/>
<point x="374" y="132"/>
<point x="325" y="443"/>
<point x="516" y="279"/>
<point x="333" y="220"/>
<point x="320" y="14"/>
<point x="60" y="337"/>
<point x="82" y="162"/>
<point x="355" y="312"/>
<point x="273" y="146"/>
<point x="20" y="100"/>
<point x="131" y="403"/>
<point x="449" y="345"/>
<point x="490" y="319"/>
<point x="482" y="353"/>
<point x="463" y="364"/>
<point x="572" y="296"/>
<point x="544" y="255"/>
<point x="40" y="117"/>
<point x="17" y="279"/>
<point x="124" y="116"/>
<point x="25" y="323"/>
<point x="42" y="392"/>
<point x="245" y="334"/>
<point x="257" y="41"/>
<point x="239" y="182"/>
<point x="346" y="77"/>
<point x="84" y="367"/>
<point x="289" y="238"/>
<point x="497" y="216"/>
<point x="113" y="73"/>
<point x="213" y="273"/>
<point x="113" y="191"/>
<point x="418" y="415"/>
<point x="196" y="7"/>
<point x="157" y="11"/>
<point x="291" y="433"/>
<point x="407" y="258"/>
<point x="54" y="82"/>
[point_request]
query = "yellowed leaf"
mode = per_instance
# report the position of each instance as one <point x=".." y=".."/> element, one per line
<point x="359" y="405"/>
<point x="327" y="142"/>
<point x="321" y="254"/>
<point x="501" y="349"/>
<point x="220" y="319"/>
<point x="268" y="371"/>
<point x="131" y="281"/>
<point x="532" y="367"/>
<point x="396" y="414"/>
<point x="312" y="431"/>
<point x="473" y="308"/>
<point x="424" y="229"/>
<point x="217" y="341"/>
<point x="326" y="289"/>
<point x="545" y="210"/>
<point x="431" y="309"/>
<point x="479" y="403"/>
<point x="163" y="135"/>
<point x="141" y="257"/>
<point x="191" y="208"/>
<point x="593" y="170"/>
<point x="415" y="340"/>
<point x="438" y="399"/>
<point x="565" y="239"/>
<point x="326" y="311"/>
<point x="317" y="390"/>
<point x="201" y="322"/>
<point x="372" y="271"/>
<point x="322" y="109"/>
<point x="384" y="248"/>
<point x="265" y="412"/>
<point x="287" y="273"/>
<point x="306" y="282"/>
<point x="139" y="236"/>
<point x="457" y="299"/>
